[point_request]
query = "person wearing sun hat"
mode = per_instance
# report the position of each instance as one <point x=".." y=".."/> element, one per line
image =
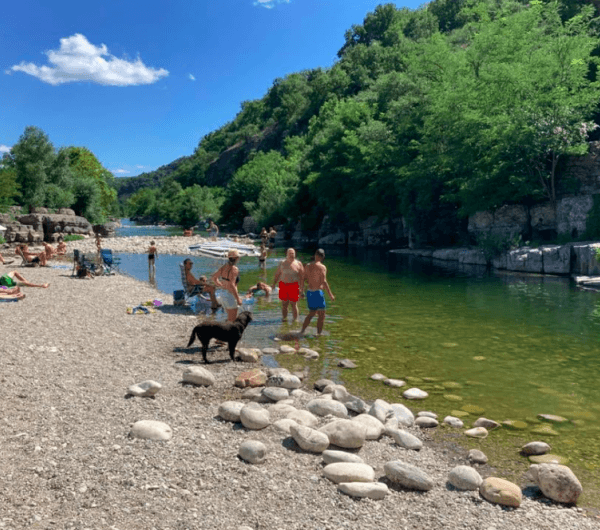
<point x="227" y="277"/>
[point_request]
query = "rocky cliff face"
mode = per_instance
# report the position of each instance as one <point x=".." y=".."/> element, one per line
<point x="43" y="226"/>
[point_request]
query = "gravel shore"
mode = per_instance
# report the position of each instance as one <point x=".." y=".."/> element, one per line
<point x="68" y="461"/>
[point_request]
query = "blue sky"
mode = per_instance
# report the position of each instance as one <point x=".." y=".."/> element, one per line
<point x="140" y="82"/>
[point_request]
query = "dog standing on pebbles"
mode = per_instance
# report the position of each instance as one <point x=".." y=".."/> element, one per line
<point x="229" y="332"/>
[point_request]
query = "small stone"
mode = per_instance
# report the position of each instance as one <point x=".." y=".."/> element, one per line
<point x="276" y="393"/>
<point x="549" y="459"/>
<point x="287" y="349"/>
<point x="375" y="491"/>
<point x="374" y="427"/>
<point x="251" y="378"/>
<point x="488" y="424"/>
<point x="253" y="451"/>
<point x="345" y="433"/>
<point x="415" y="393"/>
<point x="477" y="432"/>
<point x="552" y="418"/>
<point x="340" y="393"/>
<point x="394" y="383"/>
<point x="249" y="355"/>
<point x="349" y="472"/>
<point x="309" y="439"/>
<point x="346" y="363"/>
<point x="453" y="421"/>
<point x="424" y="422"/>
<point x="427" y="413"/>
<point x="500" y="491"/>
<point x="230" y="410"/>
<point x="355" y="404"/>
<point x="331" y="457"/>
<point x="322" y="383"/>
<point x="465" y="478"/>
<point x="403" y="414"/>
<point x="298" y="393"/>
<point x="535" y="448"/>
<point x="197" y="375"/>
<point x="151" y="430"/>
<point x="270" y="351"/>
<point x="380" y="409"/>
<point x="281" y="409"/>
<point x="303" y="417"/>
<point x="378" y="377"/>
<point x="144" y="389"/>
<point x="557" y="482"/>
<point x="288" y="381"/>
<point x="405" y="439"/>
<point x="255" y="417"/>
<point x="284" y="425"/>
<point x="323" y="407"/>
<point x="408" y="476"/>
<point x="477" y="457"/>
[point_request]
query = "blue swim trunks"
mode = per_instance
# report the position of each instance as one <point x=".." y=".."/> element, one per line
<point x="315" y="300"/>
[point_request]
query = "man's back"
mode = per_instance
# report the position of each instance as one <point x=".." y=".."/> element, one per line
<point x="315" y="273"/>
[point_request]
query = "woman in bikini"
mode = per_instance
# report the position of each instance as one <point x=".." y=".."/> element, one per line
<point x="227" y="277"/>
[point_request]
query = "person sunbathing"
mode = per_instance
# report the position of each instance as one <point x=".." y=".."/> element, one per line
<point x="5" y="262"/>
<point x="16" y="279"/>
<point x="38" y="259"/>
<point x="14" y="293"/>
<point x="49" y="250"/>
<point x="61" y="249"/>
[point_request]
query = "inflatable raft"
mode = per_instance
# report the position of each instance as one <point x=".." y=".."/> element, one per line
<point x="219" y="249"/>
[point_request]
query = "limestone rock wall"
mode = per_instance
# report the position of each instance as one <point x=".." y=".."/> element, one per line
<point x="40" y="226"/>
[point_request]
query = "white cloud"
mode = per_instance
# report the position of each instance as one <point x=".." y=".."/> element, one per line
<point x="119" y="171"/>
<point x="191" y="77"/>
<point x="270" y="4"/>
<point x="79" y="60"/>
<point x="4" y="148"/>
<point x="140" y="167"/>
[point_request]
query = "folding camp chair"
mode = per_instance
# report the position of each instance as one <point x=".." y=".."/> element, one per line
<point x="79" y="260"/>
<point x="110" y="262"/>
<point x="195" y="300"/>
<point x="24" y="263"/>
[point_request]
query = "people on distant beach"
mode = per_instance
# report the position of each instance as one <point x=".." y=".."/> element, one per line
<point x="290" y="275"/>
<point x="16" y="279"/>
<point x="264" y="236"/>
<point x="255" y="290"/>
<point x="272" y="234"/>
<point x="213" y="230"/>
<point x="262" y="258"/>
<point x="152" y="256"/>
<point x="61" y="248"/>
<point x="200" y="285"/>
<point x="188" y="232"/>
<point x="49" y="250"/>
<point x="37" y="259"/>
<point x="227" y="277"/>
<point x="315" y="273"/>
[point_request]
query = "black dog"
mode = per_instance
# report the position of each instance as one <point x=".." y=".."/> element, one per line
<point x="229" y="332"/>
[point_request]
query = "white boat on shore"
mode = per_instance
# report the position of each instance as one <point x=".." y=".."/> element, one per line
<point x="219" y="249"/>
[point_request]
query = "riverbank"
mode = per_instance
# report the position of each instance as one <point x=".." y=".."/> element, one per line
<point x="68" y="461"/>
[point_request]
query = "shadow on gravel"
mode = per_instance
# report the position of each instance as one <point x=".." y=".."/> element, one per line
<point x="397" y="487"/>
<point x="290" y="444"/>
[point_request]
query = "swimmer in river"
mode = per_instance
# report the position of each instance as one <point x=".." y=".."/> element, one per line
<point x="315" y="273"/>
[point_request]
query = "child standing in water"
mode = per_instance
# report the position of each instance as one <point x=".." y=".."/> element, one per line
<point x="152" y="255"/>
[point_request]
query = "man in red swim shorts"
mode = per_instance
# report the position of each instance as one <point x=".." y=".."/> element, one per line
<point x="290" y="275"/>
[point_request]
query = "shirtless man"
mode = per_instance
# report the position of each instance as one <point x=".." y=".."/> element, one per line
<point x="49" y="250"/>
<point x="199" y="286"/>
<point x="61" y="249"/>
<point x="315" y="274"/>
<point x="291" y="274"/>
<point x="39" y="259"/>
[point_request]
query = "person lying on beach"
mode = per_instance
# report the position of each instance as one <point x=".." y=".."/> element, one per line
<point x="38" y="259"/>
<point x="200" y="285"/>
<point x="14" y="279"/>
<point x="260" y="286"/>
<point x="5" y="262"/>
<point x="61" y="249"/>
<point x="11" y="292"/>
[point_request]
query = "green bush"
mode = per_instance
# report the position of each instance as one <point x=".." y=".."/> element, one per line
<point x="2" y="240"/>
<point x="492" y="245"/>
<point x="73" y="237"/>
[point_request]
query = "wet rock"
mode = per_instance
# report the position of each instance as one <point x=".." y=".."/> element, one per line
<point x="198" y="376"/>
<point x="552" y="418"/>
<point x="486" y="423"/>
<point x="151" y="430"/>
<point x="394" y="383"/>
<point x="375" y="491"/>
<point x="253" y="451"/>
<point x="255" y="417"/>
<point x="477" y="457"/>
<point x="465" y="478"/>
<point x="515" y="425"/>
<point x="544" y="430"/>
<point x="500" y="491"/>
<point x="349" y="472"/>
<point x="331" y="457"/>
<point x="427" y="414"/>
<point x="378" y="377"/>
<point x="249" y="355"/>
<point x="309" y="439"/>
<point x="408" y="476"/>
<point x="415" y="393"/>
<point x="286" y="349"/>
<point x="345" y="433"/>
<point x="374" y="427"/>
<point x="535" y="448"/>
<point x="230" y="410"/>
<point x="144" y="389"/>
<point x="477" y="432"/>
<point x="425" y="422"/>
<point x="557" y="482"/>
<point x="346" y="363"/>
<point x="453" y="421"/>
<point x="324" y="407"/>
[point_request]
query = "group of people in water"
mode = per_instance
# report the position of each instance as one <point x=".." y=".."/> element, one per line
<point x="290" y="278"/>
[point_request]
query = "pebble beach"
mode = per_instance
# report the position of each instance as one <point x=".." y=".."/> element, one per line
<point x="69" y="461"/>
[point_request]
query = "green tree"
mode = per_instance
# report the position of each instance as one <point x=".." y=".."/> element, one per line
<point x="196" y="203"/>
<point x="9" y="188"/>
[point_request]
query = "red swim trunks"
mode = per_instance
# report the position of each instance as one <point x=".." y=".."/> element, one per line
<point x="289" y="292"/>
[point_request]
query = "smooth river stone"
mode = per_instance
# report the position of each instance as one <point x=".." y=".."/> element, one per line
<point x="251" y="378"/>
<point x="557" y="482"/>
<point x="415" y="393"/>
<point x="490" y="425"/>
<point x="375" y="490"/>
<point x="548" y="459"/>
<point x="424" y="422"/>
<point x="346" y="363"/>
<point x="356" y="405"/>
<point x="380" y="409"/>
<point x="309" y="354"/>
<point x="451" y="385"/>
<point x="500" y="491"/>
<point x="552" y="418"/>
<point x="198" y="376"/>
<point x="403" y="414"/>
<point x="151" y="430"/>
<point x="255" y="417"/>
<point x="465" y="478"/>
<point x="427" y="413"/>
<point x="144" y="389"/>
<point x="284" y="425"/>
<point x="345" y="433"/>
<point x="309" y="439"/>
<point x="324" y="407"/>
<point x="287" y="349"/>
<point x="253" y="451"/>
<point x="230" y="410"/>
<point x="477" y="432"/>
<point x="288" y="381"/>
<point x="303" y="417"/>
<point x="340" y="393"/>
<point x="405" y="439"/>
<point x="249" y="355"/>
<point x="275" y="393"/>
<point x="378" y="377"/>
<point x="320" y="384"/>
<point x="453" y="421"/>
<point x="332" y="457"/>
<point x="349" y="472"/>
<point x="270" y="351"/>
<point x="408" y="476"/>
<point x="535" y="448"/>
<point x="394" y="383"/>
<point x="374" y="428"/>
<point x="477" y="457"/>
<point x="281" y="410"/>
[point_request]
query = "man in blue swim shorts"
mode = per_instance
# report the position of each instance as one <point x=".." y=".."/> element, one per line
<point x="315" y="273"/>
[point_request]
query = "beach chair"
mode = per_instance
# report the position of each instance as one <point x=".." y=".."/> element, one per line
<point x="110" y="262"/>
<point x="79" y="260"/>
<point x="195" y="300"/>
<point x="24" y="263"/>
